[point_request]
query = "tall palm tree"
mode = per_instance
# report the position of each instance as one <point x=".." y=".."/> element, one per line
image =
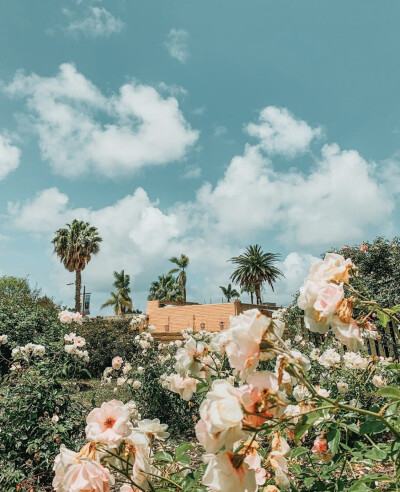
<point x="248" y="289"/>
<point x="74" y="245"/>
<point x="120" y="300"/>
<point x="182" y="263"/>
<point x="228" y="292"/>
<point x="254" y="268"/>
<point x="165" y="288"/>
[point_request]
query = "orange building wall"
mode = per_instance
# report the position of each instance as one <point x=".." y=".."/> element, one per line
<point x="181" y="317"/>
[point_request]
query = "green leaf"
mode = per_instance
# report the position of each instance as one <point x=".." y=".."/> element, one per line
<point x="359" y="487"/>
<point x="395" y="309"/>
<point x="164" y="456"/>
<point x="372" y="427"/>
<point x="383" y="318"/>
<point x="393" y="367"/>
<point x="309" y="481"/>
<point x="376" y="454"/>
<point x="180" y="450"/>
<point x="298" y="452"/>
<point x="333" y="438"/>
<point x="389" y="392"/>
<point x="352" y="428"/>
<point x="304" y="424"/>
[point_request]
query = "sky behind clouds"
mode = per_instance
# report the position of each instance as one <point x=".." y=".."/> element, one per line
<point x="198" y="128"/>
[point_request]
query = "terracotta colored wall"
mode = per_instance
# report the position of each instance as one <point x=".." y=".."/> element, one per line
<point x="179" y="318"/>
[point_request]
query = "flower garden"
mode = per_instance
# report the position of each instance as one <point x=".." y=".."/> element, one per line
<point x="291" y="402"/>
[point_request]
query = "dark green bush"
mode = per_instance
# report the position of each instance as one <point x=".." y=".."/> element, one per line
<point x="106" y="339"/>
<point x="29" y="439"/>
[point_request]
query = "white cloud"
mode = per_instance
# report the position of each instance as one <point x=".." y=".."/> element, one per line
<point x="80" y="129"/>
<point x="192" y="172"/>
<point x="220" y="130"/>
<point x="340" y="199"/>
<point x="279" y="132"/>
<point x="176" y="44"/>
<point x="9" y="157"/>
<point x="96" y="22"/>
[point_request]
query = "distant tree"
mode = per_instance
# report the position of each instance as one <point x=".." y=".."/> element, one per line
<point x="249" y="289"/>
<point x="165" y="288"/>
<point x="75" y="245"/>
<point x="254" y="268"/>
<point x="14" y="287"/>
<point x="182" y="263"/>
<point x="228" y="292"/>
<point x="120" y="300"/>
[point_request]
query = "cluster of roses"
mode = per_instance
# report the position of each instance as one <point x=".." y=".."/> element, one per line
<point x="114" y="438"/>
<point x="67" y="317"/>
<point x="75" y="344"/>
<point x="24" y="354"/>
<point x="123" y="372"/>
<point x="322" y="297"/>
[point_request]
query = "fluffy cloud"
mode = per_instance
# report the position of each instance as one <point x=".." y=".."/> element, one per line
<point x="279" y="132"/>
<point x="176" y="44"/>
<point x="80" y="129"/>
<point x="97" y="22"/>
<point x="338" y="200"/>
<point x="9" y="157"/>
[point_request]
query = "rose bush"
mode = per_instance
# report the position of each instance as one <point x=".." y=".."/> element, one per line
<point x="276" y="413"/>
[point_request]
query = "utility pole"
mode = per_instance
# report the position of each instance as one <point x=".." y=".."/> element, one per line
<point x="83" y="300"/>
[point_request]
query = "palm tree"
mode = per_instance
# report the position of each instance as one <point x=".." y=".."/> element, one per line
<point x="121" y="299"/>
<point x="255" y="268"/>
<point x="182" y="263"/>
<point x="228" y="292"/>
<point x="74" y="245"/>
<point x="118" y="301"/>
<point x="248" y="289"/>
<point x="165" y="288"/>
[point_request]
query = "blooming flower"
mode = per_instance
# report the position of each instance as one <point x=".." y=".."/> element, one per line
<point x="109" y="423"/>
<point x="153" y="427"/>
<point x="342" y="387"/>
<point x="117" y="362"/>
<point x="330" y="358"/>
<point x="3" y="339"/>
<point x="224" y="474"/>
<point x="184" y="386"/>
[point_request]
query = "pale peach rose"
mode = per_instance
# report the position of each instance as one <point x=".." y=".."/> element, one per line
<point x="223" y="474"/>
<point x="117" y="362"/>
<point x="184" y="386"/>
<point x="70" y="337"/>
<point x="253" y="461"/>
<point x="154" y="428"/>
<point x="86" y="476"/>
<point x="328" y="300"/>
<point x="259" y="398"/>
<point x="126" y="488"/>
<point x="363" y="247"/>
<point x="189" y="357"/>
<point x="79" y="341"/>
<point x="244" y="338"/>
<point x="333" y="267"/>
<point x="279" y="444"/>
<point x="280" y="466"/>
<point x="61" y="462"/>
<point x="271" y="488"/>
<point x="348" y="334"/>
<point x="109" y="423"/>
<point x="308" y="294"/>
<point x="212" y="443"/>
<point x="378" y="381"/>
<point x="220" y="412"/>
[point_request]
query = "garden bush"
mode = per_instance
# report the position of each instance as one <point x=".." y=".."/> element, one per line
<point x="36" y="415"/>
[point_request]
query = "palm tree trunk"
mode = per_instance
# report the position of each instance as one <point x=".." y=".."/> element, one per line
<point x="258" y="294"/>
<point x="251" y="297"/>
<point x="78" y="285"/>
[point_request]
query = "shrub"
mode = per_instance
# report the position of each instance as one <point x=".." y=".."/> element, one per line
<point x="106" y="339"/>
<point x="30" y="403"/>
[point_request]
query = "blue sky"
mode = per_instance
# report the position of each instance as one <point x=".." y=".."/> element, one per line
<point x="198" y="128"/>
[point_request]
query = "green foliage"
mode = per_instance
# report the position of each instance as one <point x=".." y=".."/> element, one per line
<point x="165" y="288"/>
<point x="29" y="439"/>
<point x="105" y="340"/>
